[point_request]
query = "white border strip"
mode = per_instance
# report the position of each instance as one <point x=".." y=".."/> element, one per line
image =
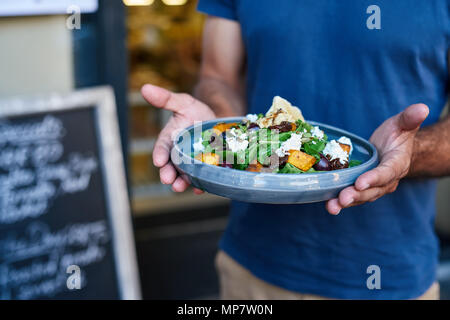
<point x="43" y="7"/>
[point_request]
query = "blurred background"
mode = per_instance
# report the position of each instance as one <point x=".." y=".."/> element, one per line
<point x="125" y="44"/>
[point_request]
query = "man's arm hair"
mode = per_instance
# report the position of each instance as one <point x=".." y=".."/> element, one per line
<point x="222" y="70"/>
<point x="431" y="154"/>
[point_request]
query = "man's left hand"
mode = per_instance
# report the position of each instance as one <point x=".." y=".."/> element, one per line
<point x="394" y="140"/>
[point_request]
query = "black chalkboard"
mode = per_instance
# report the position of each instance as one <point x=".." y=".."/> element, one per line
<point x="57" y="236"/>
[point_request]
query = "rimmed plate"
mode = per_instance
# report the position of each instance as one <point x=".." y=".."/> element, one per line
<point x="270" y="187"/>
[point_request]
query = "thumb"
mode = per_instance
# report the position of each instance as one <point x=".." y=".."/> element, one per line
<point x="412" y="117"/>
<point x="162" y="98"/>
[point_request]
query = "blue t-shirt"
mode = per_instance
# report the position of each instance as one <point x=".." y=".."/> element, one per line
<point x="351" y="69"/>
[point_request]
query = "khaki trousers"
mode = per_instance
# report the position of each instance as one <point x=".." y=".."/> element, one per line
<point x="237" y="283"/>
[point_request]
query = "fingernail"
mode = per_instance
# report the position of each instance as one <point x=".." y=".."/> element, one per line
<point x="349" y="202"/>
<point x="364" y="187"/>
<point x="335" y="214"/>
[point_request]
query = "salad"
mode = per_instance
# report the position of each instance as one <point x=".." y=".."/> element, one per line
<point x="281" y="141"/>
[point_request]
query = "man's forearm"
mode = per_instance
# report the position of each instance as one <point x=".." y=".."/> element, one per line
<point x="431" y="155"/>
<point x="224" y="100"/>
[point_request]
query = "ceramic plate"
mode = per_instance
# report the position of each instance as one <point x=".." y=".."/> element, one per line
<point x="270" y="187"/>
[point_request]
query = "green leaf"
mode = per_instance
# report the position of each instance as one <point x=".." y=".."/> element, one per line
<point x="289" y="168"/>
<point x="227" y="155"/>
<point x="242" y="157"/>
<point x="264" y="152"/>
<point x="284" y="136"/>
<point x="354" y="163"/>
<point x="206" y="135"/>
<point x="314" y="149"/>
<point x="301" y="126"/>
<point x="252" y="152"/>
<point x="243" y="127"/>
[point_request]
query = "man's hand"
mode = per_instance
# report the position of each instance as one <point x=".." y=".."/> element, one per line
<point x="186" y="110"/>
<point x="394" y="140"/>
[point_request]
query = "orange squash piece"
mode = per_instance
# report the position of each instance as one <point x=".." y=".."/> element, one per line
<point x="294" y="127"/>
<point x="254" y="167"/>
<point x="209" y="158"/>
<point x="345" y="147"/>
<point x="221" y="127"/>
<point x="301" y="160"/>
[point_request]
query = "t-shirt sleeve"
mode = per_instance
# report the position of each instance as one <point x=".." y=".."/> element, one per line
<point x="220" y="8"/>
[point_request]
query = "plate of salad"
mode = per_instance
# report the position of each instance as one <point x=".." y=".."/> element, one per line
<point x="277" y="157"/>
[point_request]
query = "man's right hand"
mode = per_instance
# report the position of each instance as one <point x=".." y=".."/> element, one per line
<point x="186" y="110"/>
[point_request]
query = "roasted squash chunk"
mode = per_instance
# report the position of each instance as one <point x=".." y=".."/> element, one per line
<point x="209" y="158"/>
<point x="301" y="160"/>
<point x="221" y="127"/>
<point x="345" y="147"/>
<point x="255" y="167"/>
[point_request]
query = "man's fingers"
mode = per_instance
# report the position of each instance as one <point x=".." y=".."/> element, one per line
<point x="350" y="196"/>
<point x="413" y="116"/>
<point x="333" y="206"/>
<point x="163" y="145"/>
<point x="167" y="174"/>
<point x="162" y="98"/>
<point x="198" y="191"/>
<point x="377" y="177"/>
<point x="180" y="185"/>
<point x="161" y="153"/>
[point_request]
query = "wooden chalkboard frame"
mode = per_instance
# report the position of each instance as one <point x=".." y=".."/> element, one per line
<point x="116" y="193"/>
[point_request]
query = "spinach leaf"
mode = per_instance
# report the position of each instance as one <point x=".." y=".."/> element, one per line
<point x="284" y="136"/>
<point x="301" y="126"/>
<point x="206" y="135"/>
<point x="243" y="127"/>
<point x="289" y="168"/>
<point x="354" y="163"/>
<point x="241" y="166"/>
<point x="314" y="149"/>
<point x="252" y="152"/>
<point x="264" y="153"/>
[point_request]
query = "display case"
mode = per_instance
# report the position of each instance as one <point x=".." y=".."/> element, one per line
<point x="164" y="48"/>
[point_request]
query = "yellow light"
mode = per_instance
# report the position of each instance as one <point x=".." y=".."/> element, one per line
<point x="138" y="2"/>
<point x="174" y="2"/>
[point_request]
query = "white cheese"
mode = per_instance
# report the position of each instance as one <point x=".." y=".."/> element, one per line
<point x="334" y="150"/>
<point x="234" y="133"/>
<point x="316" y="132"/>
<point x="347" y="141"/>
<point x="293" y="143"/>
<point x="198" y="146"/>
<point x="236" y="145"/>
<point x="252" y="117"/>
<point x="236" y="141"/>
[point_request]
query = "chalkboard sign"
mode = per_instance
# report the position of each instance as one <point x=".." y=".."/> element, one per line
<point x="65" y="227"/>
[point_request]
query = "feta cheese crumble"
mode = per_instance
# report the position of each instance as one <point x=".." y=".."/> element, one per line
<point x="347" y="141"/>
<point x="334" y="150"/>
<point x="236" y="141"/>
<point x="316" y="132"/>
<point x="252" y="117"/>
<point x="293" y="143"/>
<point x="236" y="145"/>
<point x="198" y="146"/>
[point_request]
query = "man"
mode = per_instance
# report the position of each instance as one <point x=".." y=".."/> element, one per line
<point x="379" y="71"/>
